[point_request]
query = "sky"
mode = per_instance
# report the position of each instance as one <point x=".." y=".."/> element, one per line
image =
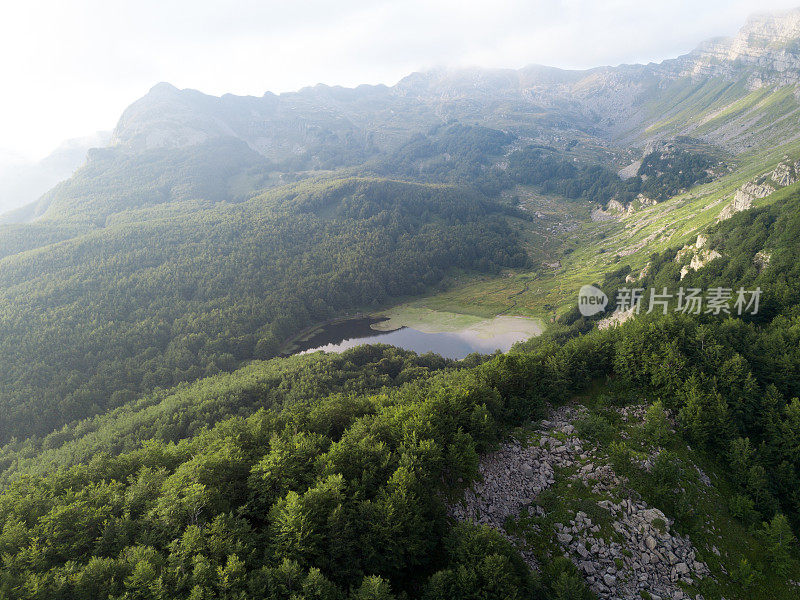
<point x="69" y="69"/>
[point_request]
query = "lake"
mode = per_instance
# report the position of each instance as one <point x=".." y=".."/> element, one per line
<point x="340" y="336"/>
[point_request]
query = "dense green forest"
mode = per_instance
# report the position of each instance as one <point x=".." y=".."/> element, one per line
<point x="745" y="405"/>
<point x="326" y="476"/>
<point x="154" y="448"/>
<point x="93" y="321"/>
<point x="663" y="174"/>
<point x="325" y="491"/>
<point x="451" y="153"/>
<point x="325" y="495"/>
<point x="473" y="154"/>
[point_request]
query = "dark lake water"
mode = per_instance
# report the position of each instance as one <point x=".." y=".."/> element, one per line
<point x="341" y="336"/>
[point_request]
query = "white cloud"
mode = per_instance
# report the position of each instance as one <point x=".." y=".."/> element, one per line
<point x="70" y="68"/>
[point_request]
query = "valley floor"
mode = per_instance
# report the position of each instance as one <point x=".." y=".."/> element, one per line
<point x="563" y="263"/>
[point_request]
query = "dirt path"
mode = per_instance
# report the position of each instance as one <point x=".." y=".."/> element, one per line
<point x="513" y="298"/>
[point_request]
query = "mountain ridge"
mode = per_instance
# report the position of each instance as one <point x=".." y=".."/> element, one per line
<point x="22" y="182"/>
<point x="765" y="52"/>
<point x="155" y="445"/>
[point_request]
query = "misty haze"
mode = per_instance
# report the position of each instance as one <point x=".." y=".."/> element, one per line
<point x="400" y="301"/>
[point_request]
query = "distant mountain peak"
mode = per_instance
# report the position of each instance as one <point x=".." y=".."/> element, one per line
<point x="772" y="27"/>
<point x="607" y="101"/>
<point x="769" y="43"/>
<point x="164" y="87"/>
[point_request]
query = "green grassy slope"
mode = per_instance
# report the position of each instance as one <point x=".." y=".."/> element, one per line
<point x="721" y="111"/>
<point x="571" y="249"/>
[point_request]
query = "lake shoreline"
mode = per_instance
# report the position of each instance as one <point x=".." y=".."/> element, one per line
<point x="288" y="348"/>
<point x="452" y="336"/>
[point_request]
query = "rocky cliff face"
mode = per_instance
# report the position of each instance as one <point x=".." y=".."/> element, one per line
<point x="769" y="44"/>
<point x="785" y="173"/>
<point x="298" y="125"/>
<point x="169" y="118"/>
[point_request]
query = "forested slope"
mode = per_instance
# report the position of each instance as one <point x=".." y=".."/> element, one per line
<point x="184" y="291"/>
<point x="153" y="447"/>
<point x="326" y="477"/>
<point x="112" y="180"/>
<point x="332" y="494"/>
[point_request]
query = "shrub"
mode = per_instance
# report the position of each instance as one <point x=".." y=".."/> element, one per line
<point x="656" y="424"/>
<point x="780" y="542"/>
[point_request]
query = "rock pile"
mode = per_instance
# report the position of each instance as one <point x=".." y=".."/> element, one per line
<point x="644" y="555"/>
<point x="641" y="554"/>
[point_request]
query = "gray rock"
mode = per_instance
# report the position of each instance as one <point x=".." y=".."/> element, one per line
<point x="639" y="556"/>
